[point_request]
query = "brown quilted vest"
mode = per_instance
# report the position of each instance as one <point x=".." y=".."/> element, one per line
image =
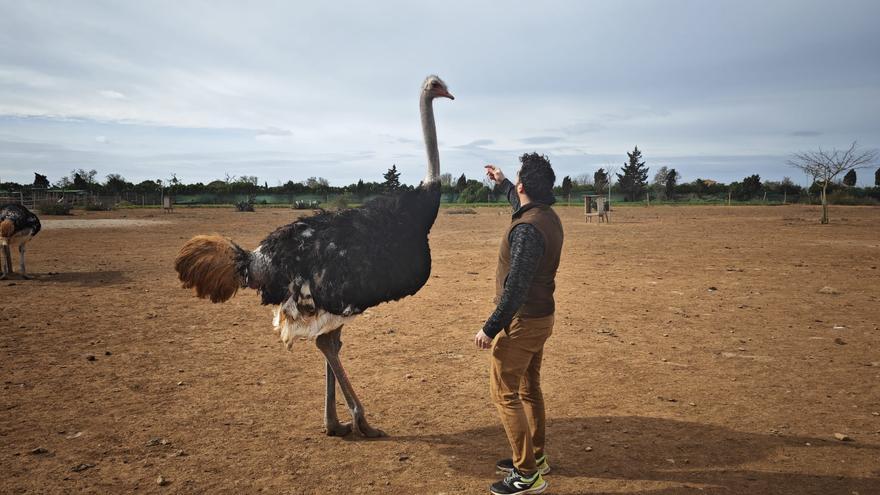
<point x="539" y="301"/>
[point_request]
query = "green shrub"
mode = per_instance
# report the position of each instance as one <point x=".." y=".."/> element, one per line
<point x="98" y="207"/>
<point x="55" y="209"/>
<point x="339" y="203"/>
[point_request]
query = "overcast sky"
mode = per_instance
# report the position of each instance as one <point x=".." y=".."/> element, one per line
<point x="288" y="90"/>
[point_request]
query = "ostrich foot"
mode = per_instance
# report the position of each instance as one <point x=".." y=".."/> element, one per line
<point x="337" y="429"/>
<point x="365" y="430"/>
<point x="25" y="277"/>
<point x="3" y="276"/>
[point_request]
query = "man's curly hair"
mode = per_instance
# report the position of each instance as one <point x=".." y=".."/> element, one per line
<point x="537" y="177"/>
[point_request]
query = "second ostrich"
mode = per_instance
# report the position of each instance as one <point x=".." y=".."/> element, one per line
<point x="321" y="271"/>
<point x="18" y="225"/>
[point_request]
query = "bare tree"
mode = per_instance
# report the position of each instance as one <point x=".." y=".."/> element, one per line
<point x="823" y="166"/>
<point x="446" y="179"/>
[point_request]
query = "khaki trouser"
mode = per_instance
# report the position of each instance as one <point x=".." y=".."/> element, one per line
<point x="515" y="386"/>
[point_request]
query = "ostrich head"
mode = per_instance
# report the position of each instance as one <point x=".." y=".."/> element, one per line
<point x="434" y="87"/>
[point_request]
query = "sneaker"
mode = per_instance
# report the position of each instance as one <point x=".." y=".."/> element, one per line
<point x="506" y="465"/>
<point x="515" y="483"/>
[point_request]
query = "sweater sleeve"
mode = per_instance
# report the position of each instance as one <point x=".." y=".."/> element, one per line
<point x="526" y="249"/>
<point x="510" y="191"/>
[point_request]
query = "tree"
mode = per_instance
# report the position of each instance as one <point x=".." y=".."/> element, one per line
<point x="392" y="179"/>
<point x="659" y="183"/>
<point x="582" y="180"/>
<point x="850" y="178"/>
<point x="634" y="177"/>
<point x="823" y="166"/>
<point x="317" y="184"/>
<point x="877" y="178"/>
<point x="63" y="183"/>
<point x="41" y="181"/>
<point x="445" y="179"/>
<point x="80" y="179"/>
<point x="600" y="180"/>
<point x="751" y="187"/>
<point x="566" y="188"/>
<point x="671" y="180"/>
<point x="474" y="192"/>
<point x="461" y="184"/>
<point x="116" y="183"/>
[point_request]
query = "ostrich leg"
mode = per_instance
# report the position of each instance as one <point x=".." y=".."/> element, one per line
<point x="7" y="262"/>
<point x="21" y="261"/>
<point x="331" y="421"/>
<point x="329" y="344"/>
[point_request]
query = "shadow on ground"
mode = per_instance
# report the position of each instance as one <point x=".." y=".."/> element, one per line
<point x="716" y="460"/>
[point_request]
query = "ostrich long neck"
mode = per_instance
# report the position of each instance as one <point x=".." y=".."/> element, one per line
<point x="430" y="134"/>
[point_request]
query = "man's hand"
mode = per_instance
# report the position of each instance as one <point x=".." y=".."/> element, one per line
<point x="494" y="173"/>
<point x="482" y="340"/>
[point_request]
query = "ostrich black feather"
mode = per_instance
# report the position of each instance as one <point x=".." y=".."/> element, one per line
<point x="347" y="261"/>
<point x="22" y="218"/>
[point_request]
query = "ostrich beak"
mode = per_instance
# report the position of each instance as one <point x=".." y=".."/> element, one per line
<point x="445" y="94"/>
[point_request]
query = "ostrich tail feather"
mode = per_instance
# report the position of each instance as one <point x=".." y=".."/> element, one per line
<point x="7" y="228"/>
<point x="207" y="263"/>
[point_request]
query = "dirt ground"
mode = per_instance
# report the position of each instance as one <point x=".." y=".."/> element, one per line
<point x="697" y="350"/>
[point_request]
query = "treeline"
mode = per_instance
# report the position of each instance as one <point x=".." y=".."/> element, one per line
<point x="631" y="182"/>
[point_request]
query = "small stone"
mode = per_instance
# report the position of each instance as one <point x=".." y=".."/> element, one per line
<point x="408" y="376"/>
<point x="588" y="449"/>
<point x="402" y="457"/>
<point x="81" y="467"/>
<point x="713" y="289"/>
<point x="839" y="327"/>
<point x="828" y="290"/>
<point x="875" y="414"/>
<point x="180" y="453"/>
<point x="842" y="437"/>
<point x="39" y="451"/>
<point x="839" y="341"/>
<point x="692" y="404"/>
<point x="161" y="481"/>
<point x="108" y="353"/>
<point x="808" y="444"/>
<point x="180" y="384"/>
<point x="90" y="357"/>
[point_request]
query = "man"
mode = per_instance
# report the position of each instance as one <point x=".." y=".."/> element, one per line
<point x="524" y="285"/>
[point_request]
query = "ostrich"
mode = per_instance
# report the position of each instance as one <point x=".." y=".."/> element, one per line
<point x="321" y="271"/>
<point x="17" y="226"/>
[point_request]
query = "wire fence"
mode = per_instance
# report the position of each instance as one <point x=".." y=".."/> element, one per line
<point x="35" y="197"/>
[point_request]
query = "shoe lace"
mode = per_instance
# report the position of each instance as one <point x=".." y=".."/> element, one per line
<point x="511" y="477"/>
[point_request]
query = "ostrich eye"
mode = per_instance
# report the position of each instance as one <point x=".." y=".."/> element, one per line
<point x="435" y="84"/>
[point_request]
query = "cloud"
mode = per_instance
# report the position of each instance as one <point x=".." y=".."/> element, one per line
<point x="102" y="139"/>
<point x="477" y="144"/>
<point x="274" y="134"/>
<point x="112" y="95"/>
<point x="806" y="133"/>
<point x="582" y="128"/>
<point x="540" y="140"/>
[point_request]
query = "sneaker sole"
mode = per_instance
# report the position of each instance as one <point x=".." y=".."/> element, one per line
<point x="537" y="489"/>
